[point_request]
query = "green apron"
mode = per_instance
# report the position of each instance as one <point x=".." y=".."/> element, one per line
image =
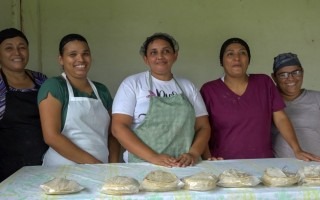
<point x="168" y="127"/>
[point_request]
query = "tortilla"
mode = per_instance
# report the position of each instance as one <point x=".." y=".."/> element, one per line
<point x="200" y="182"/>
<point x="61" y="186"/>
<point x="120" y="185"/>
<point x="276" y="177"/>
<point x="309" y="175"/>
<point x="160" y="181"/>
<point x="235" y="178"/>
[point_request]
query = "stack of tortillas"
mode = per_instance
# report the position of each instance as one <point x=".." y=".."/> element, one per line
<point x="61" y="186"/>
<point x="236" y="178"/>
<point x="120" y="185"/>
<point x="309" y="175"/>
<point x="160" y="181"/>
<point x="276" y="177"/>
<point x="200" y="182"/>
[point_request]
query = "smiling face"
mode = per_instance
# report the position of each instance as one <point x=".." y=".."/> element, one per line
<point x="289" y="87"/>
<point x="160" y="57"/>
<point x="14" y="54"/>
<point x="76" y="59"/>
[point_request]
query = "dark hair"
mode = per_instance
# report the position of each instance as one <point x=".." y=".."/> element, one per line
<point x="69" y="38"/>
<point x="164" y="36"/>
<point x="11" y="33"/>
<point x="232" y="41"/>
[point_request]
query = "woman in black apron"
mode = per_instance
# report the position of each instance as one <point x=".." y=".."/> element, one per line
<point x="21" y="141"/>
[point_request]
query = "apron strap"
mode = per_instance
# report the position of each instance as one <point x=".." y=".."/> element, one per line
<point x="6" y="81"/>
<point x="70" y="90"/>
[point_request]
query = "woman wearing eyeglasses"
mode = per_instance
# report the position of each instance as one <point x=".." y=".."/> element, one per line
<point x="302" y="106"/>
<point x="242" y="108"/>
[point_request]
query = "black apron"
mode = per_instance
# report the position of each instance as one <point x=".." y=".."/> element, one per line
<point x="21" y="140"/>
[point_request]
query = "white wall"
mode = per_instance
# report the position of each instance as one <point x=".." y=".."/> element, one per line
<point x="115" y="30"/>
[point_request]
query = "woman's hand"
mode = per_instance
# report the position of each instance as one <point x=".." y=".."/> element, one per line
<point x="186" y="159"/>
<point x="215" y="158"/>
<point x="164" y="160"/>
<point x="305" y="156"/>
<point x="207" y="155"/>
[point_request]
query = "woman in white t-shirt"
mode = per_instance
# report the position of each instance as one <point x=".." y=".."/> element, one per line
<point x="156" y="116"/>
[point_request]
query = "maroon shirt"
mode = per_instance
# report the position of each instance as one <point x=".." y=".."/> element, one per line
<point x="241" y="125"/>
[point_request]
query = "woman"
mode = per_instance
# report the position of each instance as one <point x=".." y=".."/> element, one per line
<point x="75" y="111"/>
<point x="158" y="117"/>
<point x="302" y="106"/>
<point x="21" y="141"/>
<point x="242" y="107"/>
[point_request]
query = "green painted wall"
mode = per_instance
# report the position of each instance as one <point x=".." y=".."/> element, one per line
<point x="9" y="14"/>
<point x="116" y="29"/>
<point x="5" y="10"/>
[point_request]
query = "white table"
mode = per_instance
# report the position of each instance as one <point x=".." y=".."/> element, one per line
<point x="24" y="184"/>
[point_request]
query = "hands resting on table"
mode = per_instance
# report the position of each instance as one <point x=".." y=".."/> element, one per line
<point x="184" y="160"/>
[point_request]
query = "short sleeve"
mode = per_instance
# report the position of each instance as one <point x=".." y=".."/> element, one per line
<point x="125" y="99"/>
<point x="54" y="86"/>
<point x="194" y="97"/>
<point x="277" y="100"/>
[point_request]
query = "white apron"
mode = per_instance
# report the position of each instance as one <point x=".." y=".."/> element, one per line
<point x="86" y="125"/>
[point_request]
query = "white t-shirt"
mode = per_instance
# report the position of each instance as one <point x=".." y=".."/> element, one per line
<point x="132" y="97"/>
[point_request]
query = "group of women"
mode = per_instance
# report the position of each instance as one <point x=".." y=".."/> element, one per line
<point x="155" y="116"/>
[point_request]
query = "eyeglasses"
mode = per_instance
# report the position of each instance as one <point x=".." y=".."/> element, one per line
<point x="285" y="75"/>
